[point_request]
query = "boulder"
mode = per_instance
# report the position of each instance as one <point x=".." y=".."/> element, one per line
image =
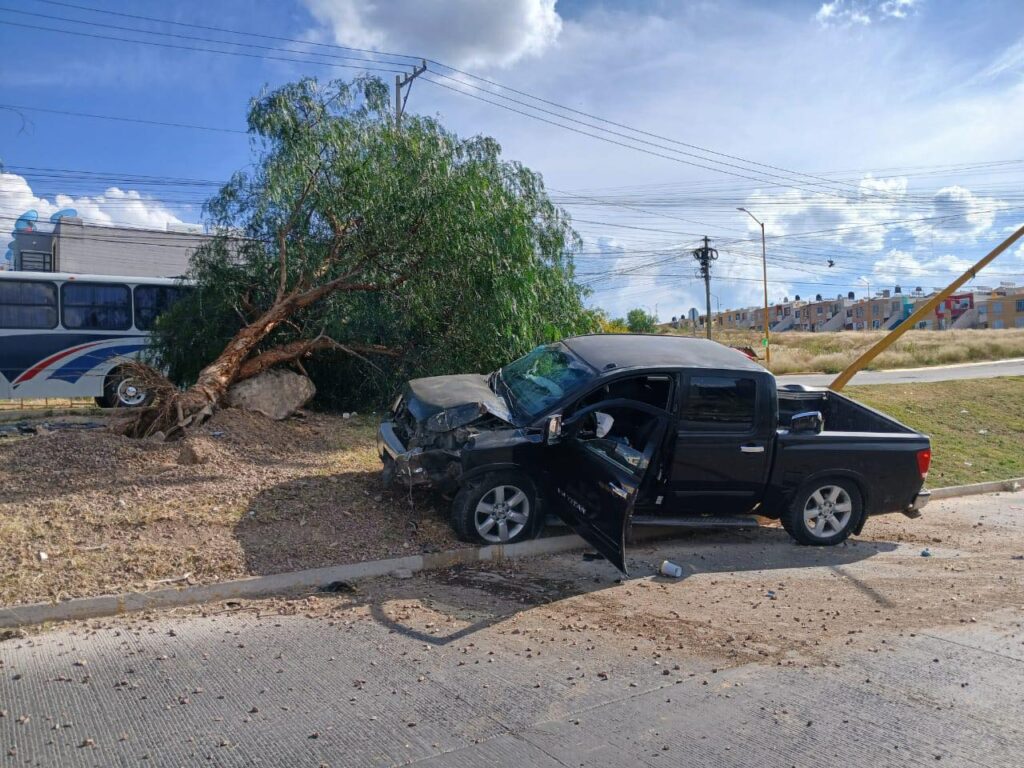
<point x="275" y="393"/>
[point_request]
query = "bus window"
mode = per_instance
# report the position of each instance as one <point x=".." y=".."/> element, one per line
<point x="151" y="301"/>
<point x="28" y="304"/>
<point x="96" y="306"/>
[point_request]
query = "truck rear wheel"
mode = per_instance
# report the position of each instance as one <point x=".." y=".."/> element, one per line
<point x="824" y="513"/>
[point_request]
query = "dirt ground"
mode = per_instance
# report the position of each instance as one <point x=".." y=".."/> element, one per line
<point x="745" y="596"/>
<point x="84" y="511"/>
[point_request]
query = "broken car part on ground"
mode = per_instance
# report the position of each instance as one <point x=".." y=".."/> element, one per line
<point x="609" y="430"/>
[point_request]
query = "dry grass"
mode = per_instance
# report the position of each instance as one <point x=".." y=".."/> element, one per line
<point x="801" y="352"/>
<point x="976" y="426"/>
<point x="114" y="514"/>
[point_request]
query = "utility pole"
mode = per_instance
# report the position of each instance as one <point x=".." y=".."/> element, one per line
<point x="764" y="272"/>
<point x="401" y="81"/>
<point x="704" y="257"/>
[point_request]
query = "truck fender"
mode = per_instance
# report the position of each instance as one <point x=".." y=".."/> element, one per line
<point x="484" y="469"/>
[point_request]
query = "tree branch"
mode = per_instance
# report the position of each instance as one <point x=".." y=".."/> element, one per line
<point x="286" y="230"/>
<point x="298" y="349"/>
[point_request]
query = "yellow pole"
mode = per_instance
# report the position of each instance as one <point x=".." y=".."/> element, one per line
<point x="926" y="308"/>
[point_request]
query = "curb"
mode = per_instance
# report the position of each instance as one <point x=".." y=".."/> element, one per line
<point x="276" y="584"/>
<point x="315" y="578"/>
<point x="993" y="486"/>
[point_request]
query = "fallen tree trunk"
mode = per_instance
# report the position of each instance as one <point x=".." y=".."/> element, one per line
<point x="175" y="411"/>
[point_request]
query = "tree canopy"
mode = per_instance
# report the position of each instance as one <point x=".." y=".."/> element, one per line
<point x="393" y="252"/>
<point x="640" y="321"/>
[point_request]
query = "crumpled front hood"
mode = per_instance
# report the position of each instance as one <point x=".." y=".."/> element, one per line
<point x="453" y="400"/>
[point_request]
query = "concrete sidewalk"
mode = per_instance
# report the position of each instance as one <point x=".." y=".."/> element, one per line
<point x="766" y="653"/>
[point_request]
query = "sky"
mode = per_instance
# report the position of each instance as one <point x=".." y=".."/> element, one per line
<point x="883" y="136"/>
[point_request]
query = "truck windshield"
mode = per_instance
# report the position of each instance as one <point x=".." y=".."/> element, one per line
<point x="543" y="377"/>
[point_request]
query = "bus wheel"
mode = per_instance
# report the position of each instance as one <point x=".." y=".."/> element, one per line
<point x="122" y="391"/>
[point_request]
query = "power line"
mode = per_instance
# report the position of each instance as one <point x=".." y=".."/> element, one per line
<point x="22" y="108"/>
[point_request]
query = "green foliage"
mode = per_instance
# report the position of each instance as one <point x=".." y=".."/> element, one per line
<point x="450" y="255"/>
<point x="639" y="321"/>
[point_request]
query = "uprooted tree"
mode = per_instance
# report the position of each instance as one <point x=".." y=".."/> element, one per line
<point x="352" y="237"/>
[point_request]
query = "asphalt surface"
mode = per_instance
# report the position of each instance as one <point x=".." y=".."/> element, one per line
<point x="765" y="654"/>
<point x="991" y="370"/>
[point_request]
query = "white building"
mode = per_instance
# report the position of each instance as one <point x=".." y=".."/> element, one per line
<point x="81" y="248"/>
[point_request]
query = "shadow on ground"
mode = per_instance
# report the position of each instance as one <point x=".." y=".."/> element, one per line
<point x="480" y="596"/>
<point x="322" y="520"/>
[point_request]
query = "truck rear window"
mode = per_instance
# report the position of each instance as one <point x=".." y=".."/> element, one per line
<point x="719" y="404"/>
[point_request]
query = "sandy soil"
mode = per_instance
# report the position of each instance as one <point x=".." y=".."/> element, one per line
<point x="746" y="596"/>
<point x="112" y="514"/>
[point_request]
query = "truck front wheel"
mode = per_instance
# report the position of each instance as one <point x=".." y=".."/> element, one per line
<point x="824" y="513"/>
<point x="498" y="508"/>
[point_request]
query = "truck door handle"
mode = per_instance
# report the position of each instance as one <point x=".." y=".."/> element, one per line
<point x="617" y="490"/>
<point x="752" y="449"/>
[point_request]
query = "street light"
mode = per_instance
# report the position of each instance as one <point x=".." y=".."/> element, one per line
<point x="764" y="270"/>
<point x="867" y="283"/>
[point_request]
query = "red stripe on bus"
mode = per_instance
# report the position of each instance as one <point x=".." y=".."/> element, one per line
<point x="31" y="372"/>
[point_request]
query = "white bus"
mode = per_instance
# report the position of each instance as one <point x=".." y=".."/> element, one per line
<point x="67" y="335"/>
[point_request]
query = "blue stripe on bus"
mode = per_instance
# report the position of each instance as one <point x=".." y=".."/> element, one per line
<point x="76" y="368"/>
<point x="19" y="352"/>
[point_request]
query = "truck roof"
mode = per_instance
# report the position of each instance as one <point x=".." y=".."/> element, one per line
<point x="633" y="350"/>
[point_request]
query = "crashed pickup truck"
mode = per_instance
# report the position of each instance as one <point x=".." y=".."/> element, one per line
<point x="608" y="431"/>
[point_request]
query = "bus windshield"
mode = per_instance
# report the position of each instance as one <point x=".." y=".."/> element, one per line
<point x="541" y="378"/>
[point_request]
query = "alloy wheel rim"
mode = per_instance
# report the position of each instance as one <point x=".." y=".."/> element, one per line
<point x="502" y="513"/>
<point x="828" y="511"/>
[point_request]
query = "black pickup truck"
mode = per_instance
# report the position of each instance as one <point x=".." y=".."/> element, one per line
<point x="612" y="430"/>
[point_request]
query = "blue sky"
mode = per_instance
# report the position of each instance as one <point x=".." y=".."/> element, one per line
<point x="898" y="123"/>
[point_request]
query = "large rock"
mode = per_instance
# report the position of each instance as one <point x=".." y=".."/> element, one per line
<point x="275" y="393"/>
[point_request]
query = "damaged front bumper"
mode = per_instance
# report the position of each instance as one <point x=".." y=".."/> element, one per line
<point x="416" y="466"/>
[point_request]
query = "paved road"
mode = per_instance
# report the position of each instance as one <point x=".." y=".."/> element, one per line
<point x="766" y="654"/>
<point x="1014" y="367"/>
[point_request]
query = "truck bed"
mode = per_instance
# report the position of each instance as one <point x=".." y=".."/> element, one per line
<point x="841" y="414"/>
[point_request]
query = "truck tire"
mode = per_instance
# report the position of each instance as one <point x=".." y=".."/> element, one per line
<point x="121" y="391"/>
<point x="825" y="512"/>
<point x="496" y="508"/>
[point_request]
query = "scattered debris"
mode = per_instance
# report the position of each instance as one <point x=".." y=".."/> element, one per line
<point x="670" y="569"/>
<point x="339" y="586"/>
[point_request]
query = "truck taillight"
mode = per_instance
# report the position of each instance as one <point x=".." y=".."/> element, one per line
<point x="924" y="461"/>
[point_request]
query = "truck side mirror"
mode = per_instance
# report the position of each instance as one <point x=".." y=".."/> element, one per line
<point x="553" y="429"/>
<point x="808" y="421"/>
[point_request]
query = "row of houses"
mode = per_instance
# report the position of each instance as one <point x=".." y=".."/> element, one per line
<point x="982" y="307"/>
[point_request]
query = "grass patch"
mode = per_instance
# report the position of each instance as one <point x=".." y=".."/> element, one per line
<point x="801" y="352"/>
<point x="976" y="427"/>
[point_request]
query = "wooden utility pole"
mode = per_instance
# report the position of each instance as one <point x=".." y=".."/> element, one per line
<point x="401" y="81"/>
<point x="704" y="257"/>
<point x="920" y="313"/>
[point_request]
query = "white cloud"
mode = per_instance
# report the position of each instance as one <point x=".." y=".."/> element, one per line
<point x="847" y="13"/>
<point x="464" y="33"/>
<point x="903" y="267"/>
<point x="113" y="206"/>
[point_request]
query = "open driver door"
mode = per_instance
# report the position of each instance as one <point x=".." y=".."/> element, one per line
<point x="599" y="459"/>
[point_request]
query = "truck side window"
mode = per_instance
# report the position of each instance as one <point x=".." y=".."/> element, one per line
<point x="719" y="404"/>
